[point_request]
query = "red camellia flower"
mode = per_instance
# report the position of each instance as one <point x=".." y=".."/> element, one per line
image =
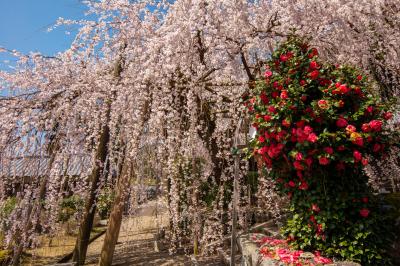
<point x="314" y="65"/>
<point x="268" y="74"/>
<point x="328" y="150"/>
<point x="359" y="141"/>
<point x="298" y="165"/>
<point x="341" y="122"/>
<point x="323" y="161"/>
<point x="261" y="139"/>
<point x="343" y="89"/>
<point x="357" y="156"/>
<point x="314" y="74"/>
<point x="364" y="161"/>
<point x="303" y="82"/>
<point x="283" y="57"/>
<point x="308" y="130"/>
<point x="267" y="118"/>
<point x="312" y="138"/>
<point x="271" y="109"/>
<point x="263" y="150"/>
<point x="286" y="123"/>
<point x="299" y="156"/>
<point x="387" y="115"/>
<point x="284" y="94"/>
<point x="369" y="109"/>
<point x="359" y="77"/>
<point x="364" y="212"/>
<point x="323" y="104"/>
<point x="375" y="125"/>
<point x="365" y="128"/>
<point x="274" y="94"/>
<point x="291" y="184"/>
<point x="350" y="129"/>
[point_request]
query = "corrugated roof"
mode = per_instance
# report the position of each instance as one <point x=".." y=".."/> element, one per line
<point x="31" y="166"/>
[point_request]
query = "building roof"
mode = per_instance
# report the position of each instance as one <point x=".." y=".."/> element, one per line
<point x="30" y="166"/>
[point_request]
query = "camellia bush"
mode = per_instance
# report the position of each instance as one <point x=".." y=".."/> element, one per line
<point x="318" y="125"/>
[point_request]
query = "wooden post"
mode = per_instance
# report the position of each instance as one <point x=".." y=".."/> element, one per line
<point x="234" y="210"/>
<point x="235" y="192"/>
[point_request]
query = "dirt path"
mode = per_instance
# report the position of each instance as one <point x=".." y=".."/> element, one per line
<point x="135" y="244"/>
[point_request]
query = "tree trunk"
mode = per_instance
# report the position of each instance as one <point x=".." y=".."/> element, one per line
<point x="85" y="228"/>
<point x="82" y="240"/>
<point x="115" y="220"/>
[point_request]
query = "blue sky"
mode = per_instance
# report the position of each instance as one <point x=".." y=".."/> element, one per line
<point x="24" y="24"/>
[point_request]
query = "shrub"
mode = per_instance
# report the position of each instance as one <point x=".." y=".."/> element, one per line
<point x="6" y="208"/>
<point x="70" y="206"/>
<point x="105" y="201"/>
<point x="317" y="126"/>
